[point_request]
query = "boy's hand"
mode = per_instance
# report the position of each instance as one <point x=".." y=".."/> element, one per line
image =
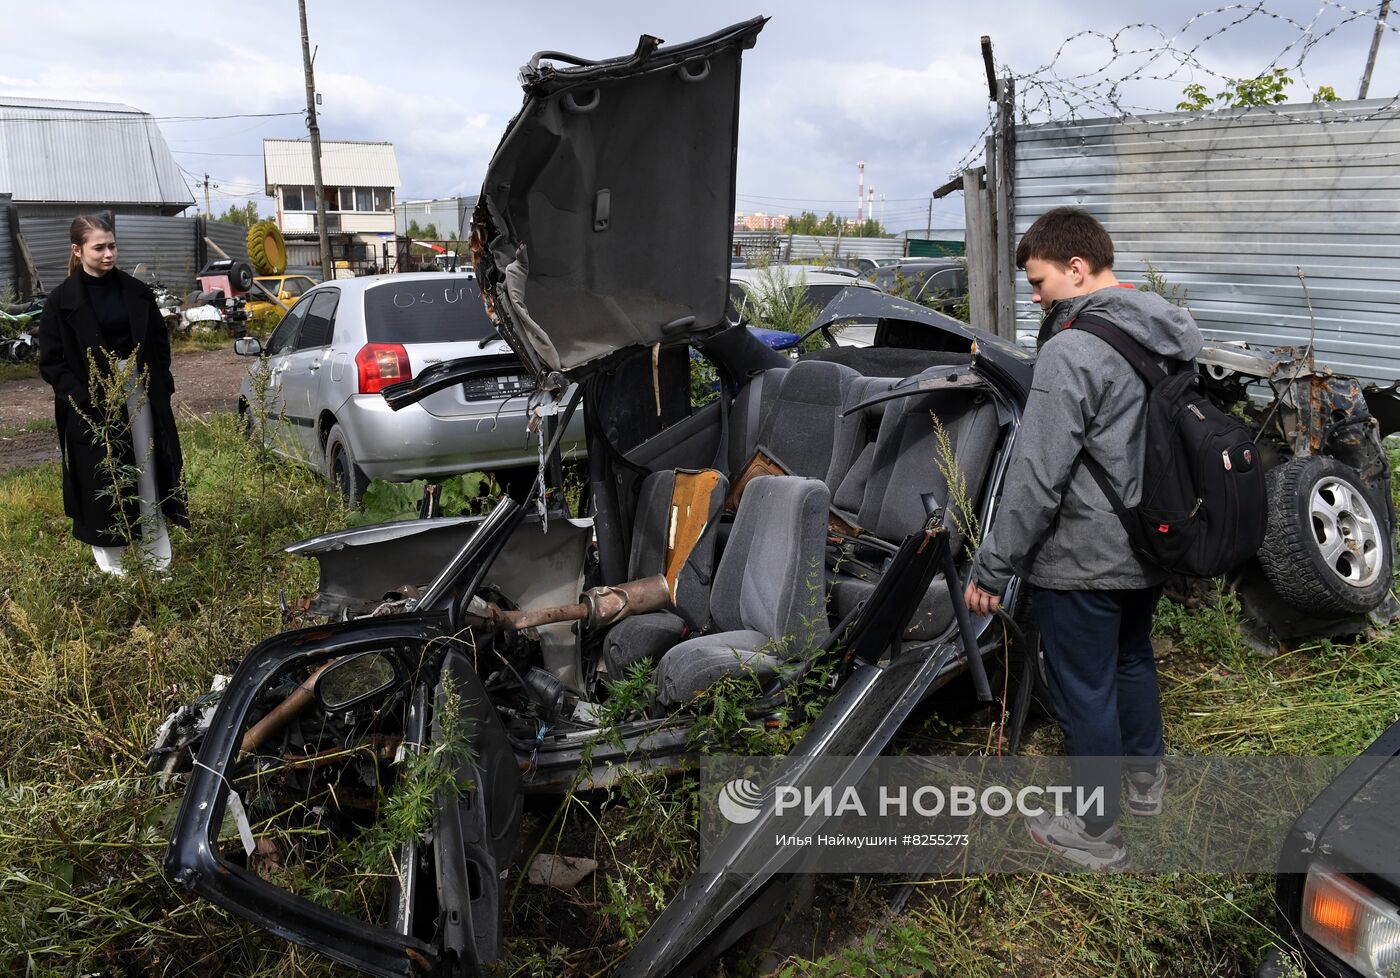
<point x="980" y="602"/>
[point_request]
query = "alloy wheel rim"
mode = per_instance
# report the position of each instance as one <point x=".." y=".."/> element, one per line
<point x="1344" y="528"/>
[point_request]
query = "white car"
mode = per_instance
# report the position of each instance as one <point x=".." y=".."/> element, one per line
<point x="819" y="289"/>
<point x="325" y="365"/>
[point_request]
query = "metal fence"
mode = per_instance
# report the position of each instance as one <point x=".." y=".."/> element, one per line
<point x="172" y="248"/>
<point x="164" y="245"/>
<point x="1229" y="210"/>
<point x="8" y="284"/>
<point x="779" y="246"/>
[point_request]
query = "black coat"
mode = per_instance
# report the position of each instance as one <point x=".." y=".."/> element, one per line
<point x="68" y="330"/>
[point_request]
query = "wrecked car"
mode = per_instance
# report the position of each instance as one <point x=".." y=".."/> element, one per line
<point x="810" y="523"/>
<point x="1328" y="557"/>
<point x="1337" y="891"/>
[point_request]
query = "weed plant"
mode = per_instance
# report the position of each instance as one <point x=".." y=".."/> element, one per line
<point x="89" y="666"/>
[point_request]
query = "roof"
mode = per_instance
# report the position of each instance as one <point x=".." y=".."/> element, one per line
<point x="86" y="152"/>
<point x="805" y="274"/>
<point x="344" y="163"/>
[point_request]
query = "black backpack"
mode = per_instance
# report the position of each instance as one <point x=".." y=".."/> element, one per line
<point x="1203" y="508"/>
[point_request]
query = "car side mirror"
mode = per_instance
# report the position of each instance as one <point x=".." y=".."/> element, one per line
<point x="355" y="679"/>
<point x="248" y="346"/>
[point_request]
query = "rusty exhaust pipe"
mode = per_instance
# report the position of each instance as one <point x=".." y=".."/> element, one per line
<point x="598" y="607"/>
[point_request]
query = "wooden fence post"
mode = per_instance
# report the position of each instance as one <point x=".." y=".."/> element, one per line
<point x="1005" y="204"/>
<point x="980" y="251"/>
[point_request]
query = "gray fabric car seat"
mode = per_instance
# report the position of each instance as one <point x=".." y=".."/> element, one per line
<point x="799" y="408"/>
<point x="767" y="603"/>
<point x="904" y="464"/>
<point x="665" y="541"/>
<point x="853" y="449"/>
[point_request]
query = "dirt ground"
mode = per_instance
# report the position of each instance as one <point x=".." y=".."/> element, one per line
<point x="206" y="381"/>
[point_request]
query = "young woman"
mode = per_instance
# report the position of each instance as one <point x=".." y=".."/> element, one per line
<point x="101" y="315"/>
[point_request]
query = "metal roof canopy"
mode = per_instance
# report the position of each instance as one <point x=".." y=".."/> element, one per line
<point x="86" y="152"/>
<point x="344" y="163"/>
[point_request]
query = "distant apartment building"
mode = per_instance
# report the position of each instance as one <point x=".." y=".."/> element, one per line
<point x="359" y="180"/>
<point x="760" y="222"/>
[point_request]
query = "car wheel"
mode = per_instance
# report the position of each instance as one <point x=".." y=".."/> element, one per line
<point x="342" y="474"/>
<point x="1325" y="550"/>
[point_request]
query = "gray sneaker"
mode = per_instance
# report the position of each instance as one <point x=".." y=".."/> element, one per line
<point x="1145" y="790"/>
<point x="1065" y="835"/>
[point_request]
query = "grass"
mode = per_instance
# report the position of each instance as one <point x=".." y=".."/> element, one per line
<point x="38" y="424"/>
<point x="89" y="665"/>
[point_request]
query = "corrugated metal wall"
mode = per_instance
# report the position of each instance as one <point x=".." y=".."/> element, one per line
<point x="47" y="238"/>
<point x="788" y="247"/>
<point x="165" y="245"/>
<point x="233" y="238"/>
<point x="1229" y="209"/>
<point x="8" y="277"/>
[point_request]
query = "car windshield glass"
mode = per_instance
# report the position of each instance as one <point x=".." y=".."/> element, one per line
<point x="446" y="309"/>
<point x="296" y="286"/>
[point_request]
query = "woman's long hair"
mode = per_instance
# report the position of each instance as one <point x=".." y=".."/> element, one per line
<point x="78" y="231"/>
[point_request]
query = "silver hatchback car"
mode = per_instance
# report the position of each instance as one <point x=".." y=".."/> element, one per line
<point x="343" y="342"/>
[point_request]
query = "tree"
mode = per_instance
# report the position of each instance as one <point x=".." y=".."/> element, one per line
<point x="414" y="231"/>
<point x="242" y="214"/>
<point x="1240" y="93"/>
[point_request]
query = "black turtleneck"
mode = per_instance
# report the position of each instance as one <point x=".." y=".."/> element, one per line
<point x="108" y="303"/>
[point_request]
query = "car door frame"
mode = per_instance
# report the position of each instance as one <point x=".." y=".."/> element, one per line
<point x="279" y="435"/>
<point x="303" y="380"/>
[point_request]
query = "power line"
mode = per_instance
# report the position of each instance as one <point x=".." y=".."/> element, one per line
<point x="128" y="118"/>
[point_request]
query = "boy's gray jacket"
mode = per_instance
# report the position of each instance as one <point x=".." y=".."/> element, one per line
<point x="1053" y="525"/>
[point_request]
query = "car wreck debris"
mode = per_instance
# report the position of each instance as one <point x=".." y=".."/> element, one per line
<point x="599" y="607"/>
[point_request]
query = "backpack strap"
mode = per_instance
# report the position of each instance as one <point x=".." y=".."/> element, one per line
<point x="1144" y="366"/>
<point x="1128" y="348"/>
<point x="1101" y="477"/>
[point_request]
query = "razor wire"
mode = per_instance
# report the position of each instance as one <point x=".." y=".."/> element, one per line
<point x="1069" y="88"/>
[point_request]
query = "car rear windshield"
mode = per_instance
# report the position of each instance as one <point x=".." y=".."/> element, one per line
<point x="439" y="310"/>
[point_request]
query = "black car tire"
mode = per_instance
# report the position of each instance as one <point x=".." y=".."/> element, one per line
<point x="342" y="474"/>
<point x="240" y="276"/>
<point x="1325" y="550"/>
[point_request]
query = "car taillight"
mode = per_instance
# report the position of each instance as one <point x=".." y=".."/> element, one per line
<point x="381" y="364"/>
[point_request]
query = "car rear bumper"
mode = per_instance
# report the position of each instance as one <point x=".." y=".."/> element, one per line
<point x="412" y="444"/>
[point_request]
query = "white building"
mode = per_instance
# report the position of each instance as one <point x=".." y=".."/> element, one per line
<point x="359" y="180"/>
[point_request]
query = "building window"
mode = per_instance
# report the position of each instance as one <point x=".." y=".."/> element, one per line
<point x="364" y="199"/>
<point x="291" y="198"/>
<point x="347" y="198"/>
<point x="383" y="199"/>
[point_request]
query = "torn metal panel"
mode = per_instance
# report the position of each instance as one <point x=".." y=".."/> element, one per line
<point x="364" y="567"/>
<point x="574" y="237"/>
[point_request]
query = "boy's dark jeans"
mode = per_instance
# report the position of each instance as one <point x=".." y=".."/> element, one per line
<point x="1103" y="684"/>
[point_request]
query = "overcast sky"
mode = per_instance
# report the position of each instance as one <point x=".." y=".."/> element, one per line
<point x="899" y="85"/>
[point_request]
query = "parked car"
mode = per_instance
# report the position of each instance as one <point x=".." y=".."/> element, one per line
<point x="937" y="282"/>
<point x="806" y="283"/>
<point x="842" y="559"/>
<point x="314" y="394"/>
<point x="287" y="289"/>
<point x="1338" y="887"/>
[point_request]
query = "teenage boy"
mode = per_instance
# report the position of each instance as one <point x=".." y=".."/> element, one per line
<point x="1093" y="597"/>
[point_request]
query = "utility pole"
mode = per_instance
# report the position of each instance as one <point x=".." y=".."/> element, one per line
<point x="207" y="213"/>
<point x="929" y="222"/>
<point x="1375" y="47"/>
<point x="315" y="130"/>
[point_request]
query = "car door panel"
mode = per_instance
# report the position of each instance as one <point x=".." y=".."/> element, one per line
<point x="302" y="381"/>
<point x="278" y="434"/>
